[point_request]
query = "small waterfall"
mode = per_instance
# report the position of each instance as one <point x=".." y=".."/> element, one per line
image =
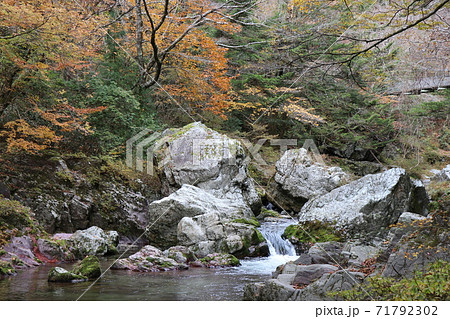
<point x="272" y="232"/>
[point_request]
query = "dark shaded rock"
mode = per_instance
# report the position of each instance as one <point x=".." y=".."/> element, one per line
<point x="306" y="275"/>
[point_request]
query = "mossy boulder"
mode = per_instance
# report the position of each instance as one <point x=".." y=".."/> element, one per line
<point x="58" y="274"/>
<point x="89" y="267"/>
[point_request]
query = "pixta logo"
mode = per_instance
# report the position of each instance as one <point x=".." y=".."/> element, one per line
<point x="201" y="152"/>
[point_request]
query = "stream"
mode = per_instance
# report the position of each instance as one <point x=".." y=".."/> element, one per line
<point x="199" y="284"/>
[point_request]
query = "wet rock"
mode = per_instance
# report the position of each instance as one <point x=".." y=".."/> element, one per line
<point x="301" y="178"/>
<point x="148" y="259"/>
<point x="89" y="267"/>
<point x="367" y="206"/>
<point x="196" y="155"/>
<point x="6" y="268"/>
<point x="58" y="274"/>
<point x="275" y="289"/>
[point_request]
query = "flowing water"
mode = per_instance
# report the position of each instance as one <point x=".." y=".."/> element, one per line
<point x="192" y="284"/>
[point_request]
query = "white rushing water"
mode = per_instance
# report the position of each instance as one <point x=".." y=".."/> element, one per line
<point x="281" y="250"/>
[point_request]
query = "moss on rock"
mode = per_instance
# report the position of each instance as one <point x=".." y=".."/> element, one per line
<point x="58" y="274"/>
<point x="252" y="221"/>
<point x="89" y="267"/>
<point x="312" y="231"/>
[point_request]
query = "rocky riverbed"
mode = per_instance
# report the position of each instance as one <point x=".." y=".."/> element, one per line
<point x="201" y="210"/>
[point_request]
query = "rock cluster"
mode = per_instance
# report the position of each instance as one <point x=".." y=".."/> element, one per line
<point x="205" y="177"/>
<point x="152" y="259"/>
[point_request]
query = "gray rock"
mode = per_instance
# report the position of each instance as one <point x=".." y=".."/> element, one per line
<point x="406" y="260"/>
<point x="208" y="233"/>
<point x="337" y="281"/>
<point x="199" y="156"/>
<point x="52" y="250"/>
<point x="20" y="252"/>
<point x="274" y="289"/>
<point x="268" y="291"/>
<point x="190" y="201"/>
<point x="357" y="254"/>
<point x="307" y="274"/>
<point x="301" y="176"/>
<point x="4" y="190"/>
<point x="148" y="259"/>
<point x="366" y="206"/>
<point x="442" y="175"/>
<point x="408" y="217"/>
<point x="91" y="241"/>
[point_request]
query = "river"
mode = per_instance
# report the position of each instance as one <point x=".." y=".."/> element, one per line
<point x="193" y="284"/>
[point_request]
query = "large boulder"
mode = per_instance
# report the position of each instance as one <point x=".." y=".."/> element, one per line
<point x="199" y="156"/>
<point x="188" y="201"/>
<point x="368" y="205"/>
<point x="300" y="178"/>
<point x="91" y="241"/>
<point x="209" y="233"/>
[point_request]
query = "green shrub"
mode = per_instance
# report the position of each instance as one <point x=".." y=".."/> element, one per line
<point x="431" y="285"/>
